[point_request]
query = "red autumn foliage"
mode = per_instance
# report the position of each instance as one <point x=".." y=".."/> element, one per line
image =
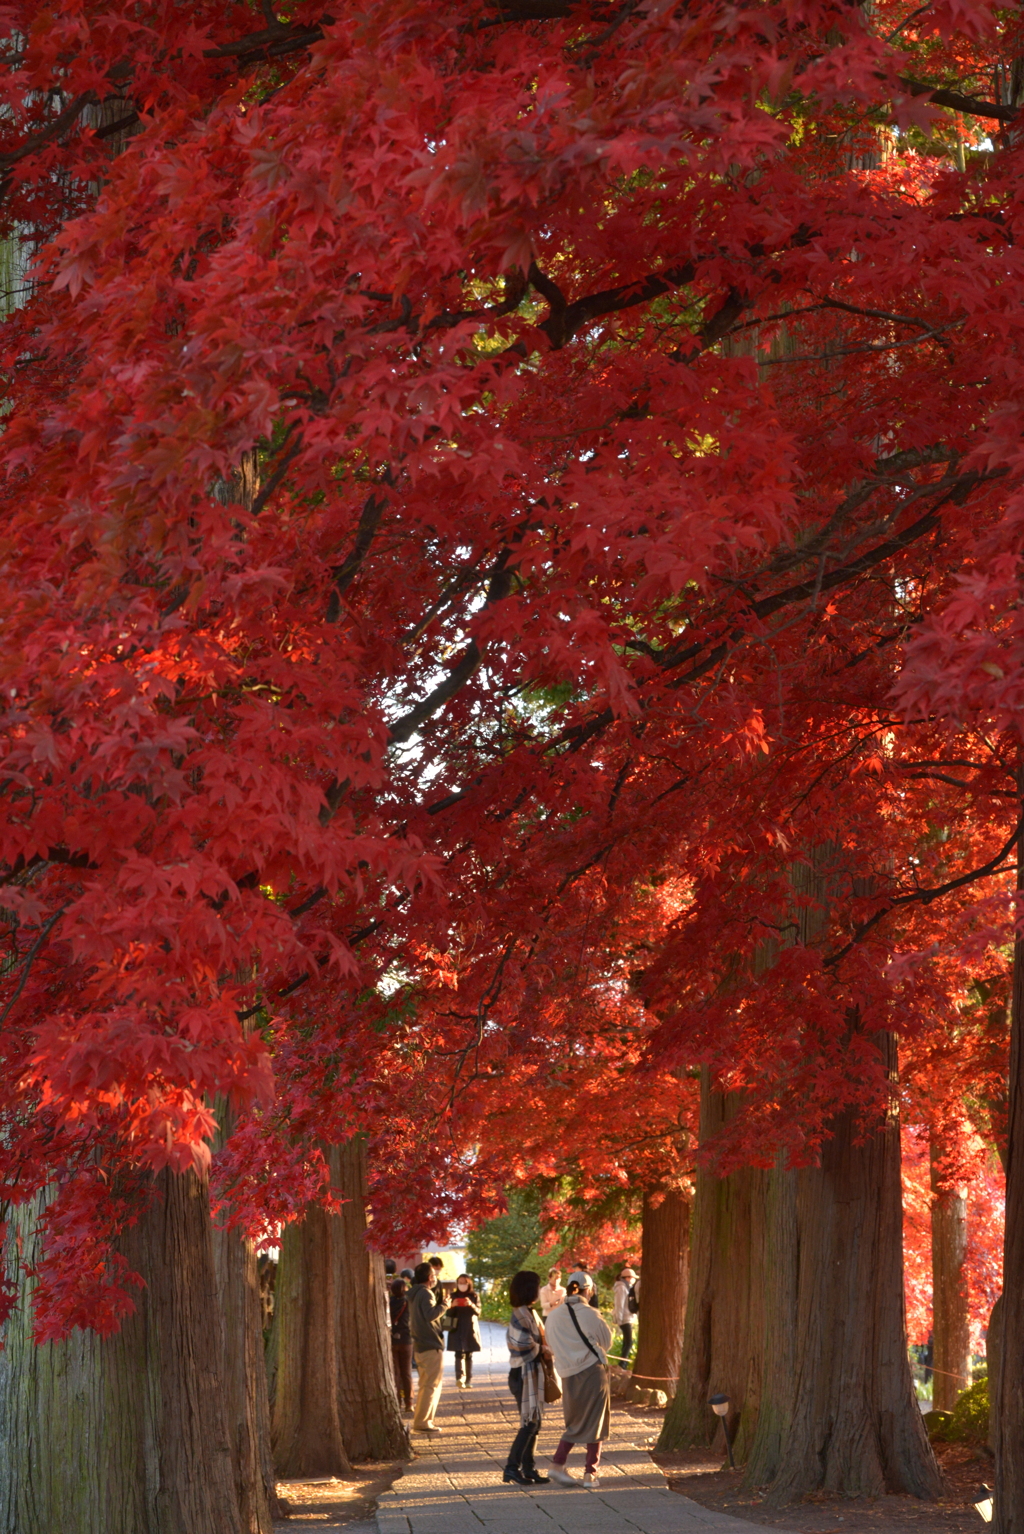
<point x="986" y="1200"/>
<point x="466" y="466"/>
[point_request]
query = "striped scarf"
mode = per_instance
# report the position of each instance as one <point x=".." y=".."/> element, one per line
<point x="524" y="1347"/>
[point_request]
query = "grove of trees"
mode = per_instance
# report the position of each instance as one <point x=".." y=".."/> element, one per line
<point x="512" y="676"/>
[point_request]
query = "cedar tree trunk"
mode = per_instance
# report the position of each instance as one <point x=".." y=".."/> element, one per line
<point x="371" y="1420"/>
<point x="951" y="1325"/>
<point x="838" y="1412"/>
<point x="664" y="1265"/>
<point x="1008" y="1416"/>
<point x="723" y="1334"/>
<point x="993" y="1362"/>
<point x="245" y="1380"/>
<point x="125" y="1434"/>
<point x="305" y="1422"/>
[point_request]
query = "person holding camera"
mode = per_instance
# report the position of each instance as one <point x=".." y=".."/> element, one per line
<point x="464" y="1336"/>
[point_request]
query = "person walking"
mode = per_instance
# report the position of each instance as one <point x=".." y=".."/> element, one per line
<point x="526" y="1348"/>
<point x="401" y="1343"/>
<point x="622" y="1315"/>
<point x="579" y="1341"/>
<point x="464" y="1337"/>
<point x="552" y="1293"/>
<point x="424" y="1312"/>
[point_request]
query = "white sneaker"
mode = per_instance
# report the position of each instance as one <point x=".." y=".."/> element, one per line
<point x="561" y="1476"/>
<point x="591" y="1480"/>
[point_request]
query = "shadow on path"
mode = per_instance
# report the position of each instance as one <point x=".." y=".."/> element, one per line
<point x="455" y="1485"/>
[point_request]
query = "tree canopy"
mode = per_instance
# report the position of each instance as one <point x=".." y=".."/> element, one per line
<point x="511" y="531"/>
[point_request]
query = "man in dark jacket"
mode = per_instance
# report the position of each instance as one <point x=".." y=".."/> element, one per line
<point x="425" y="1309"/>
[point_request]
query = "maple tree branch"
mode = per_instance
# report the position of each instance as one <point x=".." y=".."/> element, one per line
<point x="973" y="106"/>
<point x="345" y="573"/>
<point x="28" y="960"/>
<point x="453" y="683"/>
<point x="499" y="587"/>
<point x="59" y="124"/>
<point x="994" y="865"/>
<point x="871" y="347"/>
<point x="280" y="469"/>
<point x="121" y="126"/>
<point x="274" y="42"/>
<point x="566" y="319"/>
<point x="487" y="1001"/>
<point x="954" y="489"/>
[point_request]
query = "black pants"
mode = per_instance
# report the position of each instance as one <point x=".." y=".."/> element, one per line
<point x="463" y="1367"/>
<point x="626" y="1328"/>
<point x="401" y="1355"/>
<point x="520" y="1456"/>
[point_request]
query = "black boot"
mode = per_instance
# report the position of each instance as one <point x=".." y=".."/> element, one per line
<point x="510" y="1473"/>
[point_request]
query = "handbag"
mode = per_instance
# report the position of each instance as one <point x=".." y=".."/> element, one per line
<point x="449" y="1321"/>
<point x="552" y="1389"/>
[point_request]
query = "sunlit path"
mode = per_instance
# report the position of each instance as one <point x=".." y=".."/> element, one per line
<point x="455" y="1486"/>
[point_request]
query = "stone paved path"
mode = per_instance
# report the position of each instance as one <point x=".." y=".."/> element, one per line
<point x="455" y="1486"/>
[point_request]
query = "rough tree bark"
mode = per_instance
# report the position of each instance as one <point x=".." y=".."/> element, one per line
<point x="951" y="1322"/>
<point x="838" y="1412"/>
<point x="371" y="1420"/>
<point x="664" y="1266"/>
<point x="305" y="1422"/>
<point x="1008" y="1416"/>
<point x="723" y="1334"/>
<point x="245" y="1381"/>
<point x="127" y="1434"/>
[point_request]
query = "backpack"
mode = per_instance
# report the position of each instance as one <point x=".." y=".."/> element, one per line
<point x="632" y="1300"/>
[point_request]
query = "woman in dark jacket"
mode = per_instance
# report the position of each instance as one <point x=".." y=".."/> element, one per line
<point x="401" y="1342"/>
<point x="527" y="1351"/>
<point x="464" y="1337"/>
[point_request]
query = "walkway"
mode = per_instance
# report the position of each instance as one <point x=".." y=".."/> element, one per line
<point x="455" y="1485"/>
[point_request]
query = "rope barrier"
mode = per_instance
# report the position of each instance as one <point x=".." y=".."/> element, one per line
<point x="655" y="1379"/>
<point x="930" y="1369"/>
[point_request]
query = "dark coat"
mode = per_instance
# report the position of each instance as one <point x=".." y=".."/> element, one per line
<point x="464" y="1336"/>
<point x="398" y="1305"/>
<point x="423" y="1316"/>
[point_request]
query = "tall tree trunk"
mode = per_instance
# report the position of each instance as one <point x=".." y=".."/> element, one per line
<point x="664" y="1266"/>
<point x="723" y="1334"/>
<point x="371" y="1420"/>
<point x="780" y="1277"/>
<point x="305" y="1422"/>
<point x="1008" y="1417"/>
<point x="245" y="1380"/>
<point x="838" y="1410"/>
<point x="951" y="1324"/>
<point x="126" y="1434"/>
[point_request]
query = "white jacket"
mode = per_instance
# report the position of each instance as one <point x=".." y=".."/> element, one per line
<point x="571" y="1353"/>
<point x="551" y="1296"/>
<point x="620" y="1302"/>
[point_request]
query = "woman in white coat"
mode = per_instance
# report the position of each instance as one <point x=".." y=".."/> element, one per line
<point x="579" y="1340"/>
<point x="622" y="1316"/>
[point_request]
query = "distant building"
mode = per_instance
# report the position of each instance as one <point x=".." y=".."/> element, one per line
<point x="453" y="1258"/>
